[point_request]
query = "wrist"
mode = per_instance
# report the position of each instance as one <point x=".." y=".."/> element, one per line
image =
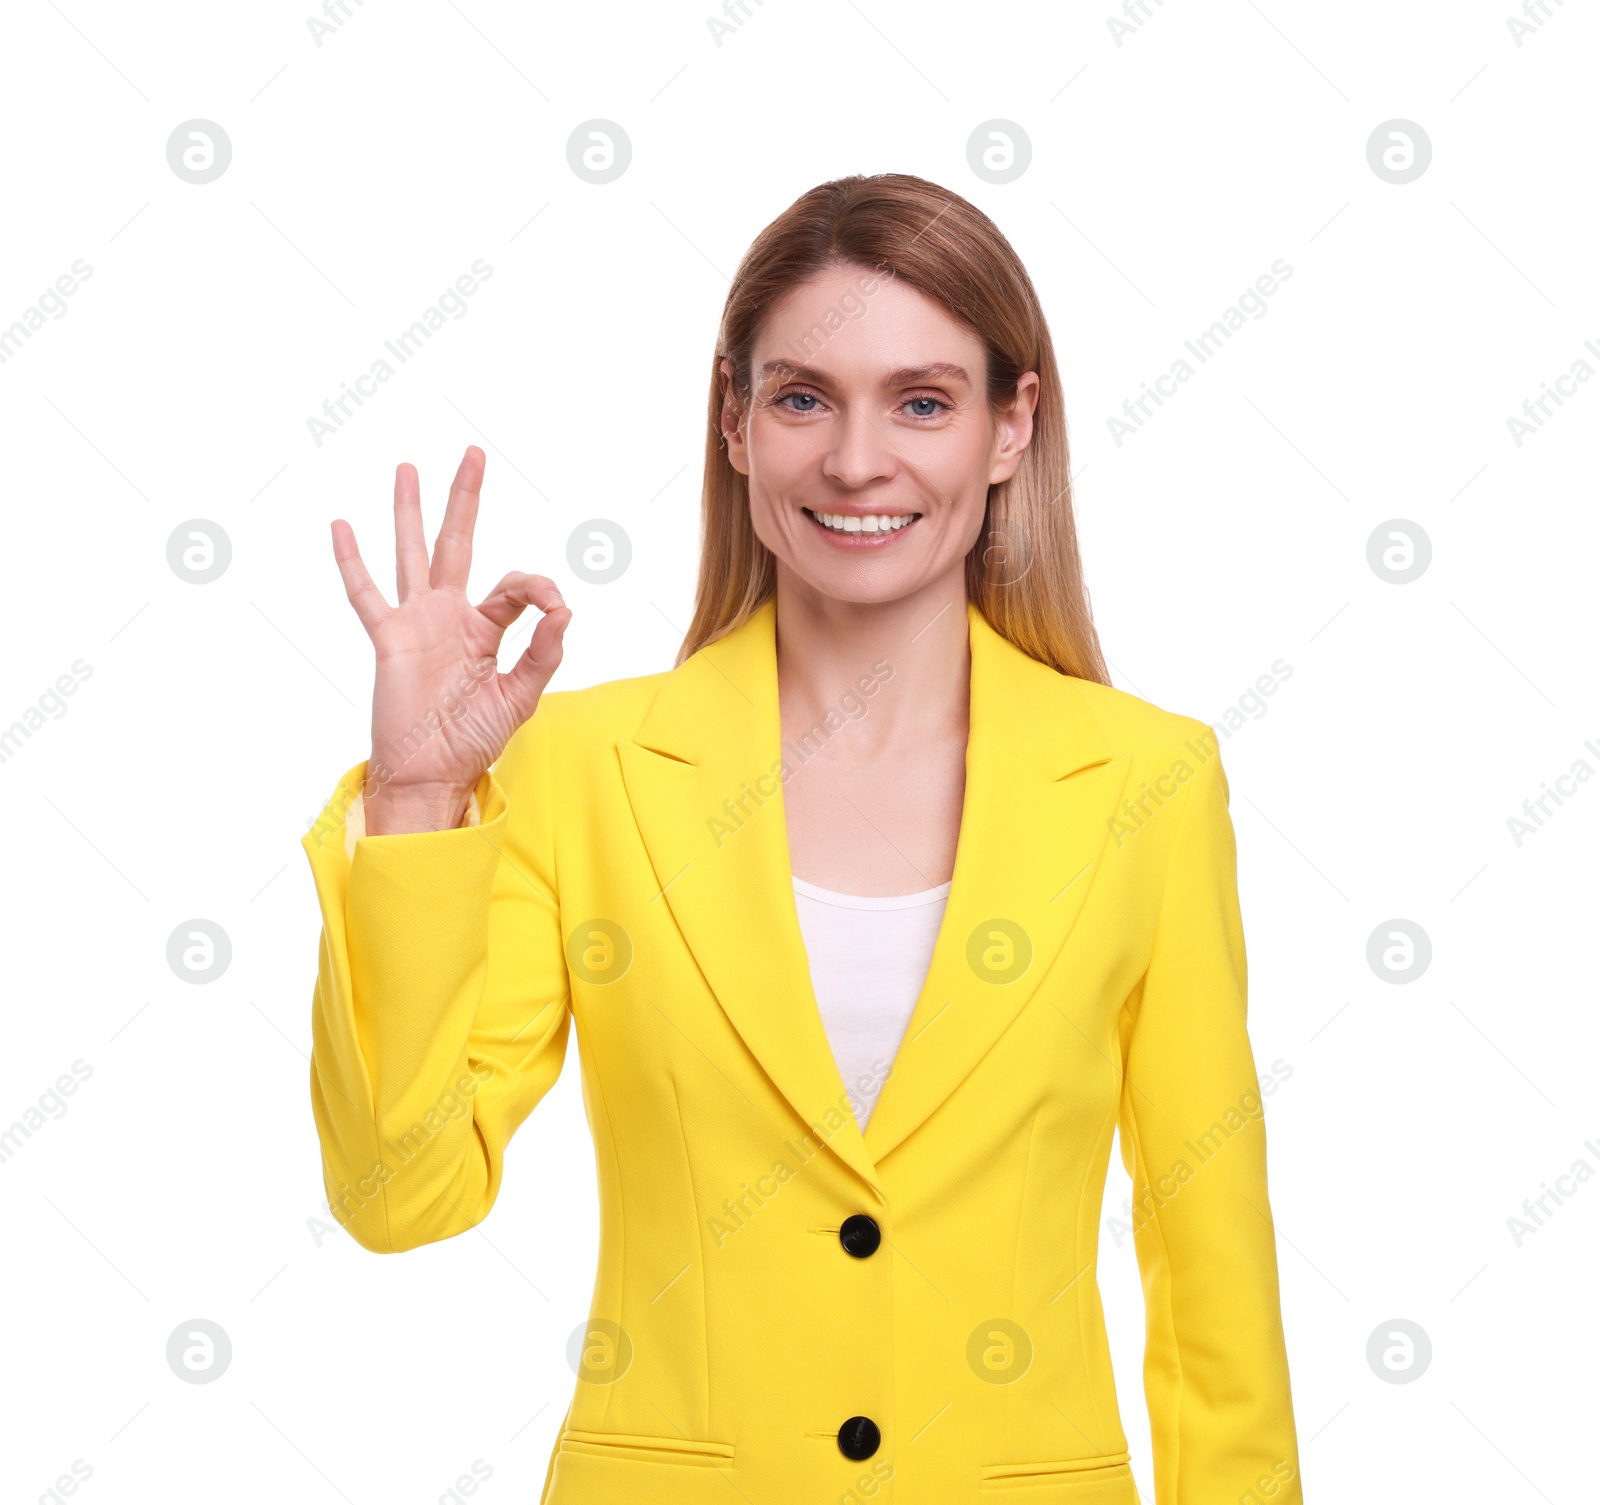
<point x="399" y="809"/>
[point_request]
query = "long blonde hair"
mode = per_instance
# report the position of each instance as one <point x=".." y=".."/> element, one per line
<point x="1023" y="573"/>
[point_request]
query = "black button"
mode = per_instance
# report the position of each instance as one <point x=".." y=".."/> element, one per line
<point x="859" y="1235"/>
<point x="859" y="1437"/>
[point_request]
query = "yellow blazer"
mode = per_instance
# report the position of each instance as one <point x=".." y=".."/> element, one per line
<point x="784" y="1303"/>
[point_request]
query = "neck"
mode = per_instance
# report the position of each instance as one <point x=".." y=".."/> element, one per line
<point x="891" y="674"/>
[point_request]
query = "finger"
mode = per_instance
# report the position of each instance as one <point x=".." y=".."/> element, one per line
<point x="452" y="549"/>
<point x="517" y="591"/>
<point x="364" y="595"/>
<point x="524" y="682"/>
<point x="410" y="547"/>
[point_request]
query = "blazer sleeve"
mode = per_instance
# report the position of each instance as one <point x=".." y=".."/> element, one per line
<point x="441" y="1009"/>
<point x="1193" y="1139"/>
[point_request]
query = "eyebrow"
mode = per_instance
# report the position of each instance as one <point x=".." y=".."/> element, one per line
<point x="906" y="376"/>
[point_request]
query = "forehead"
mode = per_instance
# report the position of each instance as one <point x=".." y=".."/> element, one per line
<point x="853" y="319"/>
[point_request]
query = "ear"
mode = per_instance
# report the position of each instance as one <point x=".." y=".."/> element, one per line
<point x="1014" y="428"/>
<point x="731" y="422"/>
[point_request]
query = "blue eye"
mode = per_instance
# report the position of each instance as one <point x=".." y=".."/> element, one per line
<point x="922" y="407"/>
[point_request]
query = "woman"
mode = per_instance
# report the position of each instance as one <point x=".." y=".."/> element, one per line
<point x="875" y="916"/>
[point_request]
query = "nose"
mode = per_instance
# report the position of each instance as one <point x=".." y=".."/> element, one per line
<point x="859" y="452"/>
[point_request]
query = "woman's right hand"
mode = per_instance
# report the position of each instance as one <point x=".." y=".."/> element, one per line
<point x="441" y="713"/>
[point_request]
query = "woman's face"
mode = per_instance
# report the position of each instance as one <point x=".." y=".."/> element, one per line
<point x="869" y="445"/>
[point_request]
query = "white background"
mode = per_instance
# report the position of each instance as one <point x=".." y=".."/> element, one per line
<point x="181" y="1179"/>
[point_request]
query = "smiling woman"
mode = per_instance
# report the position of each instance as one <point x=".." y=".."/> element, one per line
<point x="911" y="267"/>
<point x="919" y="993"/>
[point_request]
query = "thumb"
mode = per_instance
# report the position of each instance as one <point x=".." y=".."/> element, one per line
<point x="524" y="682"/>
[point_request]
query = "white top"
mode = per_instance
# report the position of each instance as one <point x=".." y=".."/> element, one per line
<point x="869" y="958"/>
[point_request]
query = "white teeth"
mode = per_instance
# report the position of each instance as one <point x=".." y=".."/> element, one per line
<point x="875" y="522"/>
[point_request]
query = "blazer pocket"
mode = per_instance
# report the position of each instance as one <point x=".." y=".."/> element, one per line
<point x="645" y="1449"/>
<point x="1112" y="1470"/>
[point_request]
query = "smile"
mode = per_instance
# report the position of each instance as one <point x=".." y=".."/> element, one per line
<point x="856" y="526"/>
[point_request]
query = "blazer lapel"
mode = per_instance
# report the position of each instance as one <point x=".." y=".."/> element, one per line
<point x="1042" y="785"/>
<point x="703" y="774"/>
